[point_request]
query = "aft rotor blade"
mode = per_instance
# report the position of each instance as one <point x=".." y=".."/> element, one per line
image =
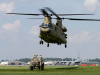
<point x="24" y="14"/>
<point x="84" y="19"/>
<point x="80" y="19"/>
<point x="53" y="12"/>
<point x="72" y="14"/>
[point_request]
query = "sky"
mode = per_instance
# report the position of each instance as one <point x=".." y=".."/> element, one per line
<point x="19" y="35"/>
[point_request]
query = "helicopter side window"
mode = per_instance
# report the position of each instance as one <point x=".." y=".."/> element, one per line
<point x="42" y="25"/>
<point x="49" y="25"/>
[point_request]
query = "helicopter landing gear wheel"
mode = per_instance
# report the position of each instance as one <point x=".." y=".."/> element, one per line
<point x="65" y="46"/>
<point x="42" y="42"/>
<point x="59" y="43"/>
<point x="48" y="45"/>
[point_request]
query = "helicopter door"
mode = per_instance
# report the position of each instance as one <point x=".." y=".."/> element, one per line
<point x="55" y="28"/>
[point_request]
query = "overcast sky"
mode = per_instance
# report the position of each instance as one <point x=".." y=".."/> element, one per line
<point x="19" y="35"/>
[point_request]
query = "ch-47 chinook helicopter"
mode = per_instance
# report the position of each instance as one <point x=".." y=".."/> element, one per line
<point x="50" y="32"/>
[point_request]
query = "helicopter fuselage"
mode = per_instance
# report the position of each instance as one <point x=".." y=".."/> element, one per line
<point x="51" y="33"/>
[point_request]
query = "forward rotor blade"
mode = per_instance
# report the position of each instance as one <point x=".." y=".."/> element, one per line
<point x="35" y="18"/>
<point x="24" y="14"/>
<point x="53" y="12"/>
<point x="44" y="12"/>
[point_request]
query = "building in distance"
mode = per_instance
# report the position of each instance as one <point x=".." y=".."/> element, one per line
<point x="12" y="63"/>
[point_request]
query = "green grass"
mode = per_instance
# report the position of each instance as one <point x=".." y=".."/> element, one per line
<point x="50" y="70"/>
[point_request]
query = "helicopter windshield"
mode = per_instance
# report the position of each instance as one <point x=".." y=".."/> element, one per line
<point x="46" y="25"/>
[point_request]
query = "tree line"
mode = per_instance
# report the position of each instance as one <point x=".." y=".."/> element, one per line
<point x="94" y="60"/>
<point x="44" y="59"/>
<point x="52" y="59"/>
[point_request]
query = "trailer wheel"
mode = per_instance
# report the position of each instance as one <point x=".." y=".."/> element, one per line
<point x="42" y="67"/>
<point x="34" y="66"/>
<point x="31" y="67"/>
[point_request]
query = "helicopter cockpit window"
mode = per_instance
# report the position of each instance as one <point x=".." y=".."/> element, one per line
<point x="46" y="25"/>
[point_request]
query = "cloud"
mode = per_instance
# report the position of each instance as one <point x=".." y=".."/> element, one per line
<point x="33" y="1"/>
<point x="12" y="27"/>
<point x="85" y="36"/>
<point x="91" y="5"/>
<point x="7" y="7"/>
<point x="28" y="0"/>
<point x="34" y="30"/>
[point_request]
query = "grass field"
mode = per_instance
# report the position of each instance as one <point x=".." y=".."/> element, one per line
<point x="50" y="70"/>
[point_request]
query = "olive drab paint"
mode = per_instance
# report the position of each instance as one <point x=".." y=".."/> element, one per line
<point x="52" y="34"/>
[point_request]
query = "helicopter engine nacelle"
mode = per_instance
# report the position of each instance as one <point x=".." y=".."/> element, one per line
<point x="64" y="29"/>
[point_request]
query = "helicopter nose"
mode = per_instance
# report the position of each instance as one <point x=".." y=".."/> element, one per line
<point x="45" y="30"/>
